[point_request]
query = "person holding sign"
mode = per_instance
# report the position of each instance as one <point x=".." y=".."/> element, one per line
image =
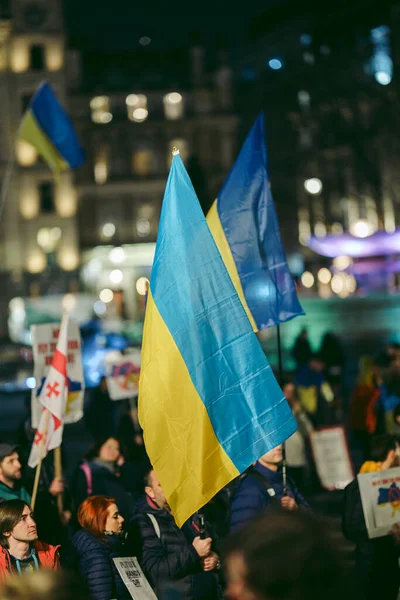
<point x="96" y="544"/>
<point x="377" y="560"/>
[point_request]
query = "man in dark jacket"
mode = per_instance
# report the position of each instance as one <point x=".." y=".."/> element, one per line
<point x="262" y="487"/>
<point x="377" y="560"/>
<point x="169" y="560"/>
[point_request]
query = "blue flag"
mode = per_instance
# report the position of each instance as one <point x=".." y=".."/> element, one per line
<point x="245" y="228"/>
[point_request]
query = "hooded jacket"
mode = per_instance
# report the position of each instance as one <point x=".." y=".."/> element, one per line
<point x="94" y="561"/>
<point x="48" y="558"/>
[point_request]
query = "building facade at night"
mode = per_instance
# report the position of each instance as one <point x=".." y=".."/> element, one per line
<point x="95" y="229"/>
<point x="332" y="111"/>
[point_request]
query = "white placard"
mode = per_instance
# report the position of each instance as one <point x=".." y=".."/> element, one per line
<point x="44" y="339"/>
<point x="380" y="496"/>
<point x="123" y="375"/>
<point x="132" y="576"/>
<point x="332" y="458"/>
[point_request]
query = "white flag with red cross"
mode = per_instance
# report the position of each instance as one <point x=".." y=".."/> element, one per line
<point x="53" y="398"/>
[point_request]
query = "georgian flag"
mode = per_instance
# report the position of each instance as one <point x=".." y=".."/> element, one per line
<point x="53" y="398"/>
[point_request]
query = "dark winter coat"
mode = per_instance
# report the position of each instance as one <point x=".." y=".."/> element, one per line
<point x="377" y="560"/>
<point x="251" y="496"/>
<point x="122" y="486"/>
<point x="94" y="561"/>
<point x="170" y="561"/>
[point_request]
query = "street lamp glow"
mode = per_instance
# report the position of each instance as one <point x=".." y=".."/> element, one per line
<point x="116" y="276"/>
<point x="99" y="308"/>
<point x="117" y="255"/>
<point x="361" y="229"/>
<point x="350" y="283"/>
<point x="337" y="284"/>
<point x="142" y="286"/>
<point x="105" y="117"/>
<point x="173" y="98"/>
<point x="140" y="114"/>
<point x="324" y="275"/>
<point x="313" y="186"/>
<point x="307" y="279"/>
<point x="106" y="295"/>
<point x="342" y="262"/>
<point x="275" y="64"/>
<point x="383" y="78"/>
<point x="69" y="302"/>
<point x="108" y="229"/>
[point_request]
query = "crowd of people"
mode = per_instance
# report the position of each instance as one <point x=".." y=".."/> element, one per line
<point x="258" y="538"/>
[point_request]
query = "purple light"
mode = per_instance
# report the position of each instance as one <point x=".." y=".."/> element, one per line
<point x="380" y="243"/>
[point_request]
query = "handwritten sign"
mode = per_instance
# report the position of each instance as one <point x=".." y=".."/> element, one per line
<point x="44" y="344"/>
<point x="123" y="376"/>
<point x="133" y="578"/>
<point x="380" y="496"/>
<point x="332" y="458"/>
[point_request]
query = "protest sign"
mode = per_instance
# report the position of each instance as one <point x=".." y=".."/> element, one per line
<point x="123" y="375"/>
<point x="380" y="496"/>
<point x="44" y="344"/>
<point x="332" y="457"/>
<point x="133" y="578"/>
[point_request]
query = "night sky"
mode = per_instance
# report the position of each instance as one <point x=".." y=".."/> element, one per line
<point x="119" y="24"/>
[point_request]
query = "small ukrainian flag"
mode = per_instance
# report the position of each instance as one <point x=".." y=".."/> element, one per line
<point x="49" y="129"/>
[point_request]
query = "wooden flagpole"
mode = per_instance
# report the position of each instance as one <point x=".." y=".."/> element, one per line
<point x="58" y="470"/>
<point x="58" y="473"/>
<point x="39" y="465"/>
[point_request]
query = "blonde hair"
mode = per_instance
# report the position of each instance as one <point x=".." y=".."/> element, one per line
<point x="44" y="585"/>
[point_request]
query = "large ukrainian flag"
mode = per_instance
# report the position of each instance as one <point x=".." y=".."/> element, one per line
<point x="245" y="227"/>
<point x="209" y="403"/>
<point x="48" y="128"/>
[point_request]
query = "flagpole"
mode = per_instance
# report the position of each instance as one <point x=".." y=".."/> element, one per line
<point x="39" y="465"/>
<point x="58" y="472"/>
<point x="280" y="378"/>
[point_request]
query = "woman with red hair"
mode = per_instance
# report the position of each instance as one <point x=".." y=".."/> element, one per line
<point x="96" y="544"/>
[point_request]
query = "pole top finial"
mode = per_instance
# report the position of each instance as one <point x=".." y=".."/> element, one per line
<point x="175" y="151"/>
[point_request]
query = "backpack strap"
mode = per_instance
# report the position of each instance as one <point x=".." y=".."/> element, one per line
<point x="155" y="525"/>
<point x="263" y="481"/>
<point x="88" y="474"/>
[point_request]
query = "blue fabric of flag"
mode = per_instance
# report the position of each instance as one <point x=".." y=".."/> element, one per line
<point x="56" y="124"/>
<point x="248" y="217"/>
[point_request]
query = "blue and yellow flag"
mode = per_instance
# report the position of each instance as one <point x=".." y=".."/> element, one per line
<point x="209" y="403"/>
<point x="245" y="228"/>
<point x="49" y="129"/>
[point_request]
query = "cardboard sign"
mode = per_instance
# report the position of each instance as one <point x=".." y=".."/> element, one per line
<point x="123" y="376"/>
<point x="44" y="344"/>
<point x="380" y="496"/>
<point x="133" y="578"/>
<point x="332" y="459"/>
